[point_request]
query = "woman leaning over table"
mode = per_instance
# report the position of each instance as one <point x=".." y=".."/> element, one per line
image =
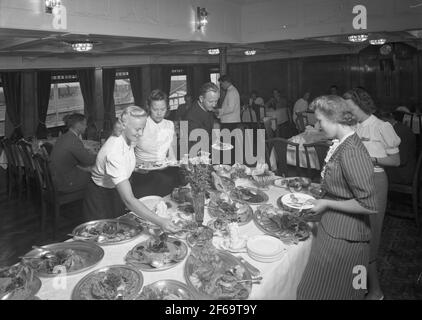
<point x="109" y="191"/>
<point x="342" y="240"/>
<point x="382" y="143"/>
<point x="155" y="145"/>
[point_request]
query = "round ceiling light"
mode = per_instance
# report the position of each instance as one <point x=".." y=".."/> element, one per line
<point x="82" y="46"/>
<point x="377" y="42"/>
<point x="214" y="52"/>
<point x="358" y="37"/>
<point x="250" y="52"/>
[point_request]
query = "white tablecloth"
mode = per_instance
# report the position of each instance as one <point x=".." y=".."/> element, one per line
<point x="280" y="278"/>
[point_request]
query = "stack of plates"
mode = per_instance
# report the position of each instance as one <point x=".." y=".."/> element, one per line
<point x="265" y="248"/>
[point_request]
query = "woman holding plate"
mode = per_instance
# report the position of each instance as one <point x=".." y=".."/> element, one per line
<point x="154" y="150"/>
<point x="344" y="232"/>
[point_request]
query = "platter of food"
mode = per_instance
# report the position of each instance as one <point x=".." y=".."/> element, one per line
<point x="166" y="290"/>
<point x="107" y="231"/>
<point x="230" y="210"/>
<point x="70" y="257"/>
<point x="294" y="184"/>
<point x="250" y="195"/>
<point x="18" y="282"/>
<point x="214" y="274"/>
<point x="286" y="227"/>
<point x="186" y="211"/>
<point x="200" y="236"/>
<point x="117" y="282"/>
<point x="157" y="253"/>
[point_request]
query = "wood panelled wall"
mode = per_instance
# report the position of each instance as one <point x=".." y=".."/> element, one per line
<point x="390" y="88"/>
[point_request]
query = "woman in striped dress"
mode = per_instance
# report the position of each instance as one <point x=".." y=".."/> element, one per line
<point x="340" y="252"/>
<point x="382" y="143"/>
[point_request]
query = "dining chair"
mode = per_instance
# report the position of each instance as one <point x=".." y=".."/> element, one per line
<point x="12" y="174"/>
<point x="49" y="193"/>
<point x="25" y="150"/>
<point x="301" y="121"/>
<point x="18" y="167"/>
<point x="414" y="190"/>
<point x="280" y="146"/>
<point x="321" y="150"/>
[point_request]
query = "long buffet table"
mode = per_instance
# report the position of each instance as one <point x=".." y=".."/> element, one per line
<point x="280" y="278"/>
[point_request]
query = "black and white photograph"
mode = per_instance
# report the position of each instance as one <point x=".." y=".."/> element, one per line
<point x="213" y="150"/>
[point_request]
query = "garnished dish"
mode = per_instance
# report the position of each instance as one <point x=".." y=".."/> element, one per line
<point x="232" y="241"/>
<point x="250" y="195"/>
<point x="200" y="236"/>
<point x="286" y="227"/>
<point x="186" y="226"/>
<point x="18" y="282"/>
<point x="166" y="290"/>
<point x="157" y="205"/>
<point x="215" y="274"/>
<point x="107" y="231"/>
<point x="157" y="253"/>
<point x="181" y="195"/>
<point x="295" y="184"/>
<point x="218" y="225"/>
<point x="70" y="257"/>
<point x="230" y="210"/>
<point x="233" y="172"/>
<point x="119" y="282"/>
<point x="228" y="183"/>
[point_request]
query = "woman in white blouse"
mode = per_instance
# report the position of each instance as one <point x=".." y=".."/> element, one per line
<point x="382" y="143"/>
<point x="155" y="145"/>
<point x="109" y="190"/>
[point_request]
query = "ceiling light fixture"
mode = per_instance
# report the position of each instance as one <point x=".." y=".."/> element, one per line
<point x="250" y="52"/>
<point x="202" y="17"/>
<point x="377" y="42"/>
<point x="82" y="46"/>
<point x="358" y="37"/>
<point x="214" y="52"/>
<point x="50" y="4"/>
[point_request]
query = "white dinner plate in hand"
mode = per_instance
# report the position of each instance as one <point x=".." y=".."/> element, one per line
<point x="298" y="201"/>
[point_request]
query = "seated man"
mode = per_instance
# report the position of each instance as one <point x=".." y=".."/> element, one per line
<point x="69" y="159"/>
<point x="402" y="174"/>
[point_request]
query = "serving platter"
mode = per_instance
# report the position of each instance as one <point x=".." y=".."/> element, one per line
<point x="108" y="231"/>
<point x="215" y="274"/>
<point x="249" y="195"/>
<point x="116" y="282"/>
<point x="18" y="282"/>
<point x="227" y="210"/>
<point x="156" y="254"/>
<point x="166" y="290"/>
<point x="286" y="227"/>
<point x="70" y="257"/>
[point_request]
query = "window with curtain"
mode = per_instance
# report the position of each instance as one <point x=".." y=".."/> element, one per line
<point x="178" y="88"/>
<point x="214" y="78"/>
<point x="65" y="98"/>
<point x="123" y="96"/>
<point x="2" y="111"/>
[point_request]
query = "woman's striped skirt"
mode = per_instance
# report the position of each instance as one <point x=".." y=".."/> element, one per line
<point x="336" y="269"/>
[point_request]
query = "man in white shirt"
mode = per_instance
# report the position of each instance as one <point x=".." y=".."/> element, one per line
<point x="230" y="109"/>
<point x="109" y="190"/>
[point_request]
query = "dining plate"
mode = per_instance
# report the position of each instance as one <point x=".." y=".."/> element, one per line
<point x="108" y="231"/>
<point x="166" y="290"/>
<point x="249" y="195"/>
<point x="265" y="246"/>
<point x="116" y="282"/>
<point x="154" y="254"/>
<point x="301" y="201"/>
<point x="67" y="258"/>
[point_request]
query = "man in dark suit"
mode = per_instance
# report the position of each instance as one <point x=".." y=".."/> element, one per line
<point x="201" y="114"/>
<point x="69" y="159"/>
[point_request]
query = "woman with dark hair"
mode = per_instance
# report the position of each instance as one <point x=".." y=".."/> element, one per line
<point x="342" y="239"/>
<point x="382" y="143"/>
<point x="155" y="145"/>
